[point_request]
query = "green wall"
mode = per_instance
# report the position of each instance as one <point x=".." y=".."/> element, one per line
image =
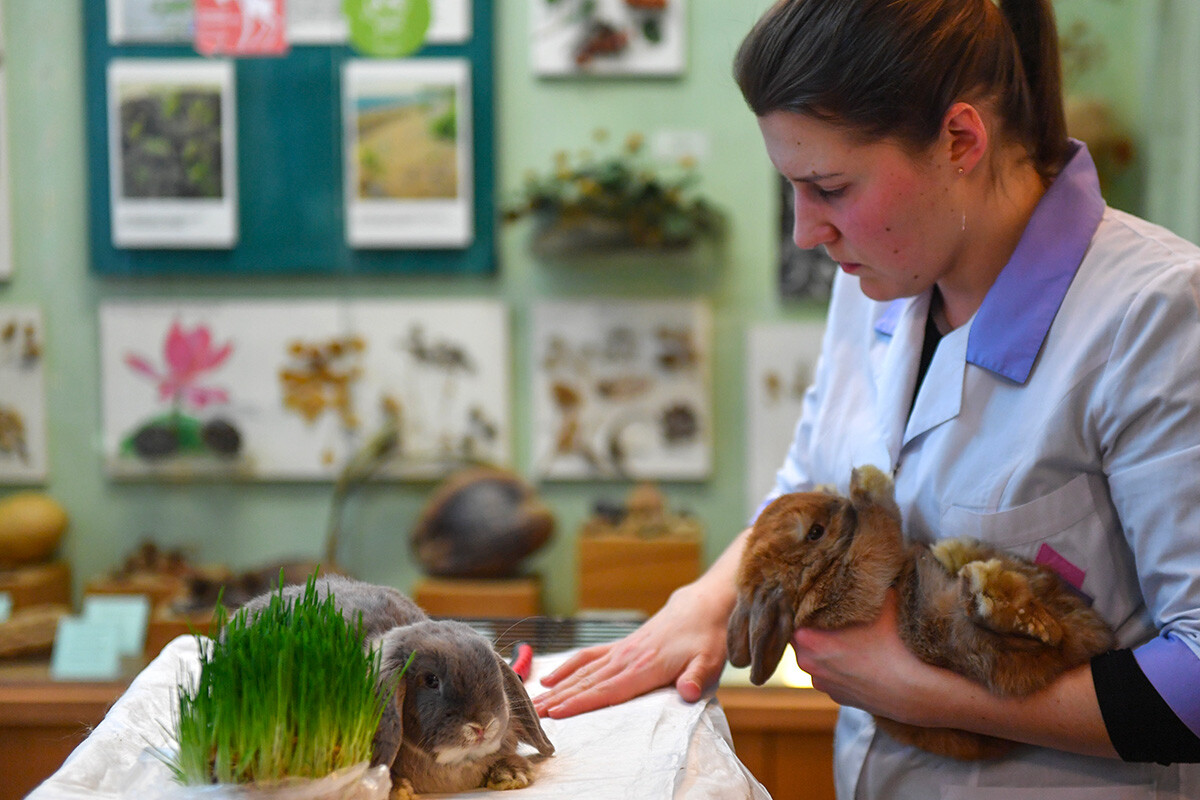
<point x="247" y="525"/>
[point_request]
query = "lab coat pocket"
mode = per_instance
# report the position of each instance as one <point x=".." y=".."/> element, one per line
<point x="1073" y="530"/>
<point x="1018" y="528"/>
<point x="1048" y="793"/>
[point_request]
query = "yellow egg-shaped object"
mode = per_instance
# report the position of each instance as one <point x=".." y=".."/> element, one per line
<point x="31" y="526"/>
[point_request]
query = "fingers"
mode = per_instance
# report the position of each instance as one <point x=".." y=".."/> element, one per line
<point x="580" y="659"/>
<point x="701" y="674"/>
<point x="597" y="684"/>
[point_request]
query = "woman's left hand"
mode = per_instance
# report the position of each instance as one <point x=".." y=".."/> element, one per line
<point x="868" y="666"/>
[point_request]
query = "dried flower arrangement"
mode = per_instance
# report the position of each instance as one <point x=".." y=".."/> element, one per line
<point x="618" y="201"/>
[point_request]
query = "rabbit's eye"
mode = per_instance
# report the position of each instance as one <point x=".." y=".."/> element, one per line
<point x="431" y="681"/>
<point x="815" y="532"/>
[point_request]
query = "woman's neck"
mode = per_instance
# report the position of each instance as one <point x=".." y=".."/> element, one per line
<point x="1000" y="209"/>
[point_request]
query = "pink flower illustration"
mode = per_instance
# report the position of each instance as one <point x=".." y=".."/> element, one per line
<point x="188" y="355"/>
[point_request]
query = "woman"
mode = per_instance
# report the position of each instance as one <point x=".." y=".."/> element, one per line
<point x="1022" y="358"/>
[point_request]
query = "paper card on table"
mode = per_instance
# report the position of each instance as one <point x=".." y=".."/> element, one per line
<point x="86" y="650"/>
<point x="129" y="613"/>
<point x="5" y="606"/>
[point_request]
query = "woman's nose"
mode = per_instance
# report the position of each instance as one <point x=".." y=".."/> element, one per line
<point x="809" y="228"/>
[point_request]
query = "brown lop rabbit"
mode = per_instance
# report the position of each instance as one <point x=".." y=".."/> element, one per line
<point x="819" y="560"/>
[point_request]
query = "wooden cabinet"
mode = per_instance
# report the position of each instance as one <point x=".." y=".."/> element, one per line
<point x="785" y="737"/>
<point x="42" y="721"/>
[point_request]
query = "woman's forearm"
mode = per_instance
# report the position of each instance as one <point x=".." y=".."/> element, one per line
<point x="1063" y="716"/>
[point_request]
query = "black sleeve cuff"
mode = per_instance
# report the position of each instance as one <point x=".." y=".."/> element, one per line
<point x="1140" y="724"/>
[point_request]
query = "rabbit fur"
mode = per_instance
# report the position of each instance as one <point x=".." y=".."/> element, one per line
<point x="460" y="712"/>
<point x="820" y="560"/>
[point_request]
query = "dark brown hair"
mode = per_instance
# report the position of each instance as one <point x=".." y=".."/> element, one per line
<point x="891" y="68"/>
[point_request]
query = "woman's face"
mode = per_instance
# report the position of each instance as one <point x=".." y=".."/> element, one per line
<point x="891" y="219"/>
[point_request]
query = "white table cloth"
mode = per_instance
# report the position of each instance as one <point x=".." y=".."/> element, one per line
<point x="655" y="746"/>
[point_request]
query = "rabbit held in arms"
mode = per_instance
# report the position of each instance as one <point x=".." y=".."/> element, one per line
<point x="820" y="560"/>
<point x="459" y="712"/>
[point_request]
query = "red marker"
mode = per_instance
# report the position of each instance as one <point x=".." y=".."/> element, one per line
<point x="522" y="660"/>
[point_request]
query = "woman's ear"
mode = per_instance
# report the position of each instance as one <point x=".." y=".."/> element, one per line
<point x="965" y="136"/>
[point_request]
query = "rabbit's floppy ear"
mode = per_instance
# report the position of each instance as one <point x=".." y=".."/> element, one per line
<point x="737" y="635"/>
<point x="395" y="646"/>
<point x="524" y="718"/>
<point x="771" y="629"/>
<point x="385" y="747"/>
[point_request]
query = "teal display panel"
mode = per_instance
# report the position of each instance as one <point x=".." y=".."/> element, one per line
<point x="291" y="209"/>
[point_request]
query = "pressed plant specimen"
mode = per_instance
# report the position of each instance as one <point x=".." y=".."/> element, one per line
<point x="188" y="355"/>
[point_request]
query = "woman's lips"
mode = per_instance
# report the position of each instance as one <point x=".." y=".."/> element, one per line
<point x="849" y="267"/>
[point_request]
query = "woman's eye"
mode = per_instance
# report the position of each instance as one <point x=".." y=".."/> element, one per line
<point x="829" y="194"/>
<point x="431" y="681"/>
<point x="815" y="532"/>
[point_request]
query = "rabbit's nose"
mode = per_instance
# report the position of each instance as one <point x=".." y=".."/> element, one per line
<point x="476" y="732"/>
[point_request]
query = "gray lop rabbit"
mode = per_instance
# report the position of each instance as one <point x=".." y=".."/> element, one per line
<point x="460" y="712"/>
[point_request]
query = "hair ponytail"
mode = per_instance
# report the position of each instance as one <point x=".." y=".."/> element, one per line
<point x="1033" y="26"/>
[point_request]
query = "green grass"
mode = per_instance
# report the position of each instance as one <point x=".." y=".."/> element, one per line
<point x="291" y="695"/>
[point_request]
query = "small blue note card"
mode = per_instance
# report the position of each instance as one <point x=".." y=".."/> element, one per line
<point x="130" y="613"/>
<point x="86" y="650"/>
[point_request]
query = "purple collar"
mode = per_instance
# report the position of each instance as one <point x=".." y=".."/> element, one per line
<point x="1011" y="324"/>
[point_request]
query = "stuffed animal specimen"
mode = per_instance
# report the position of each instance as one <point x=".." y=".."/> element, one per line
<point x="820" y="560"/>
<point x="481" y="523"/>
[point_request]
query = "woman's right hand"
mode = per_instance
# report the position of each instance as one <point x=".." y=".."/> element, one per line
<point x="684" y="644"/>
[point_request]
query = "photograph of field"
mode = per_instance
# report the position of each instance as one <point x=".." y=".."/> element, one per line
<point x="408" y="143"/>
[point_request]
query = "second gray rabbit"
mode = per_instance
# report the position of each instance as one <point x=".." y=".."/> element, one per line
<point x="460" y="712"/>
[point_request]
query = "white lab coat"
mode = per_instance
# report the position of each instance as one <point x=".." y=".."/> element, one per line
<point x="1085" y="440"/>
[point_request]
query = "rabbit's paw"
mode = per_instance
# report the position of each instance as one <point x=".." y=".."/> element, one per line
<point x="954" y="554"/>
<point x="1002" y="600"/>
<point x="512" y="772"/>
<point x="402" y="789"/>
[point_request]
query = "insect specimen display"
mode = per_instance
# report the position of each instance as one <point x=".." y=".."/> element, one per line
<point x="622" y="390"/>
<point x="291" y="390"/>
<point x="23" y="456"/>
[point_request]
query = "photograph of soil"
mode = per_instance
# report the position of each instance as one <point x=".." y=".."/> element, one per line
<point x="408" y="144"/>
<point x="171" y="142"/>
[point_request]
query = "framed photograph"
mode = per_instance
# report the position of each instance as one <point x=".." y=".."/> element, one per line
<point x="803" y="274"/>
<point x="322" y="22"/>
<point x="622" y="390"/>
<point x="408" y="153"/>
<point x="291" y="390"/>
<point x="781" y="359"/>
<point x="23" y="448"/>
<point x="172" y="153"/>
<point x="608" y="37"/>
<point x="150" y="21"/>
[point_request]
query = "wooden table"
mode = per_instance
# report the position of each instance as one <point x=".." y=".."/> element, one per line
<point x="42" y="720"/>
<point x="785" y="736"/>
